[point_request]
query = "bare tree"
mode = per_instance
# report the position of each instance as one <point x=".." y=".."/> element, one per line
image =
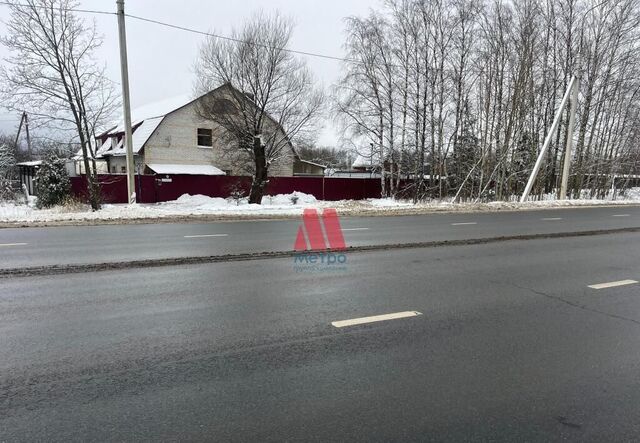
<point x="53" y="75"/>
<point x="270" y="101"/>
<point x="366" y="93"/>
<point x="476" y="84"/>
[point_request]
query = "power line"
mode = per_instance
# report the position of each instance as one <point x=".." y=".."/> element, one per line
<point x="236" y="40"/>
<point x="191" y="30"/>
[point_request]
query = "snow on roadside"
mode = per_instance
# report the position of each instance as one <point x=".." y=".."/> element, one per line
<point x="388" y="203"/>
<point x="185" y="205"/>
<point x="633" y="194"/>
<point x="277" y="205"/>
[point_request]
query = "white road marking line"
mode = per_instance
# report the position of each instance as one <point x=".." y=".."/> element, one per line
<point x="355" y="229"/>
<point x="465" y="223"/>
<point x="13" y="244"/>
<point x="620" y="215"/>
<point x="552" y="218"/>
<point x="613" y="284"/>
<point x="375" y="318"/>
<point x="206" y="235"/>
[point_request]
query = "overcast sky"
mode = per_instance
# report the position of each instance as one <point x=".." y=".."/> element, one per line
<point x="161" y="59"/>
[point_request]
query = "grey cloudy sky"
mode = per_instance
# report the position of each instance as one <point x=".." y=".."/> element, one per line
<point x="161" y="59"/>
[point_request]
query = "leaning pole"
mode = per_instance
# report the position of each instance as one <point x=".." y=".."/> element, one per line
<point x="556" y="121"/>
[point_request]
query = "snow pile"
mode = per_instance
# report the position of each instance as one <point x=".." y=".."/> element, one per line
<point x="198" y="200"/>
<point x="192" y="201"/>
<point x="300" y="198"/>
<point x="201" y="204"/>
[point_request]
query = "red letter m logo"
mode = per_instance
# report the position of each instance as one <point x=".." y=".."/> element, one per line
<point x="315" y="237"/>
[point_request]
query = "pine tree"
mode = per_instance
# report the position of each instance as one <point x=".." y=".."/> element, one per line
<point x="7" y="172"/>
<point x="524" y="158"/>
<point x="7" y="161"/>
<point x="52" y="181"/>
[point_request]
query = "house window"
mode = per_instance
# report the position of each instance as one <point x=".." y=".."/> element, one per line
<point x="123" y="169"/>
<point x="113" y="169"/>
<point x="205" y="137"/>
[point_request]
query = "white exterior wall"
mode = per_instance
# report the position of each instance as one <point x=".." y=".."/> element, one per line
<point x="101" y="167"/>
<point x="175" y="142"/>
<point x="119" y="162"/>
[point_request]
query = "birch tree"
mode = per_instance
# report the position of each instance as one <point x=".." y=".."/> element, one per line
<point x="477" y="85"/>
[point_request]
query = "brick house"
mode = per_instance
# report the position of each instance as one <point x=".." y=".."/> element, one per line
<point x="170" y="137"/>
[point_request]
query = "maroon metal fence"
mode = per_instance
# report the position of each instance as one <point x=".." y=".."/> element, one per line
<point x="159" y="188"/>
<point x="114" y="188"/>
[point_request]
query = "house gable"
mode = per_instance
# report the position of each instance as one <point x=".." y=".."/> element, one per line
<point x="175" y="141"/>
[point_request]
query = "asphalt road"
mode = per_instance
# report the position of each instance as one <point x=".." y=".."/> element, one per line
<point x="23" y="247"/>
<point x="512" y="345"/>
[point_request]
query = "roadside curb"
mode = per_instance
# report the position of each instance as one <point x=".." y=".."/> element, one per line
<point x="179" y="261"/>
<point x="342" y="212"/>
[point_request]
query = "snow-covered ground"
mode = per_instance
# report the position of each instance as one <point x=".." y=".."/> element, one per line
<point x="186" y="205"/>
<point x="278" y="205"/>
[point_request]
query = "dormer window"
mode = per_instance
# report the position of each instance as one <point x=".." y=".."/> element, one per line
<point x="205" y="137"/>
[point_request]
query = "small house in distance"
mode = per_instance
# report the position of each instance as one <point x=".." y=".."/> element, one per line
<point x="27" y="174"/>
<point x="362" y="167"/>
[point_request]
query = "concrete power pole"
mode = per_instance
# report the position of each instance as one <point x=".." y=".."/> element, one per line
<point x="24" y="120"/>
<point x="26" y="131"/>
<point x="128" y="133"/>
<point x="547" y="141"/>
<point x="566" y="170"/>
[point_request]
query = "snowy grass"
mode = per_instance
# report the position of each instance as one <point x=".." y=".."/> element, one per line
<point x="283" y="205"/>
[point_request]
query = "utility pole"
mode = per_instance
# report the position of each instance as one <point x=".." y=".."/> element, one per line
<point x="26" y="131"/>
<point x="569" y="144"/>
<point x="547" y="141"/>
<point x="128" y="133"/>
<point x="15" y="143"/>
<point x="24" y="120"/>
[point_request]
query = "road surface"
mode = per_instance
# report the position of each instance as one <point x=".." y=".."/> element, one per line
<point x="511" y="344"/>
<point x="113" y="243"/>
